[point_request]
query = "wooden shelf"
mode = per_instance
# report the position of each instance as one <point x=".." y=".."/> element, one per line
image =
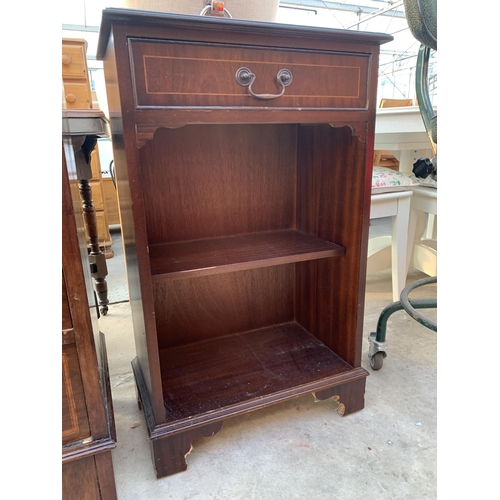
<point x="236" y="253"/>
<point x="224" y="375"/>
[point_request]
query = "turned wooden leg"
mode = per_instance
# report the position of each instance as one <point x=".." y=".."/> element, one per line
<point x="97" y="259"/>
<point x="350" y="397"/>
<point x="170" y="452"/>
<point x="83" y="147"/>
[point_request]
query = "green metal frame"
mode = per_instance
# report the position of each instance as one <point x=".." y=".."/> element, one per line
<point x="424" y="102"/>
<point x="378" y="345"/>
<point x="410" y="306"/>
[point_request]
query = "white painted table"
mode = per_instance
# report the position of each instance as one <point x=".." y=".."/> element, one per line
<point x="422" y="251"/>
<point x="391" y="251"/>
<point x="402" y="132"/>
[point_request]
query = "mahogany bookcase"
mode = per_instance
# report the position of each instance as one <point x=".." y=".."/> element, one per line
<point x="243" y="156"/>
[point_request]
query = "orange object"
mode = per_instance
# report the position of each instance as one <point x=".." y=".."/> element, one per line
<point x="218" y="7"/>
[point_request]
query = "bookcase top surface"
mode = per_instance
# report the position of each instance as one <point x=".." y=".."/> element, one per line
<point x="135" y="17"/>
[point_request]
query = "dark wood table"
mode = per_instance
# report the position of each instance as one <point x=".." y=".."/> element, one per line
<point x="88" y="426"/>
<point x="80" y="130"/>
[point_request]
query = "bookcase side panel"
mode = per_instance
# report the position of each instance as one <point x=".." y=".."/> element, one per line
<point x="331" y="174"/>
<point x="125" y="156"/>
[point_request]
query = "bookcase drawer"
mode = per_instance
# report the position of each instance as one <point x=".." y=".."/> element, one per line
<point x="178" y="74"/>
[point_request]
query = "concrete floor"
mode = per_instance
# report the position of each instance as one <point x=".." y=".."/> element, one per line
<point x="298" y="449"/>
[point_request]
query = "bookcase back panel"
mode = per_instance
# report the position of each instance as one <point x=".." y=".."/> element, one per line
<point x="218" y="180"/>
<point x="196" y="309"/>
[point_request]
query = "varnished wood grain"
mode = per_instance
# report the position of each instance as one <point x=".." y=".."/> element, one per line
<point x="213" y="181"/>
<point x="75" y="424"/>
<point x="236" y="253"/>
<point x="211" y="375"/>
<point x="66" y="314"/>
<point x="105" y="472"/>
<point x="79" y="480"/>
<point x="196" y="309"/>
<point x="133" y="223"/>
<point x="201" y="161"/>
<point x="80" y="293"/>
<point x="89" y="478"/>
<point x="352" y="396"/>
<point x="187" y="74"/>
<point x="149" y="120"/>
<point x="171" y="453"/>
<point x="88" y="434"/>
<point x="211" y="29"/>
<point x="328" y="291"/>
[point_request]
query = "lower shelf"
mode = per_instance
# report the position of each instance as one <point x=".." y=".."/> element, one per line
<point x="226" y="376"/>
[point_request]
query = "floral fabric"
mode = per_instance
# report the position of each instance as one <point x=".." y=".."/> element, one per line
<point x="427" y="182"/>
<point x="386" y="180"/>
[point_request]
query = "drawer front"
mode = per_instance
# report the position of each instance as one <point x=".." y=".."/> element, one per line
<point x="174" y="74"/>
<point x="73" y="61"/>
<point x="77" y="95"/>
<point x="75" y="423"/>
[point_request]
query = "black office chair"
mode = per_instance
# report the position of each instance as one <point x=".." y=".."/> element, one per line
<point x="422" y="21"/>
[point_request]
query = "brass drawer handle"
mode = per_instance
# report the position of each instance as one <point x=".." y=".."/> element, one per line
<point x="246" y="78"/>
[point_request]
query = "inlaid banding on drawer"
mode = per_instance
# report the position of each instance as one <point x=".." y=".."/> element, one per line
<point x="177" y="74"/>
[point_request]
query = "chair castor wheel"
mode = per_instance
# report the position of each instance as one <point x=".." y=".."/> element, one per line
<point x="377" y="360"/>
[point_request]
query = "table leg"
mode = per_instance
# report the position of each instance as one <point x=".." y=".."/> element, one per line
<point x="399" y="244"/>
<point x="83" y="147"/>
